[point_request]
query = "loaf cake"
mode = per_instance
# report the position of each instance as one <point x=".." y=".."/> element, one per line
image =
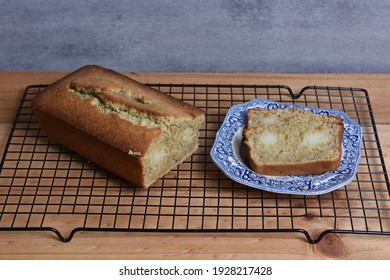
<point x="132" y="130"/>
<point x="284" y="142"/>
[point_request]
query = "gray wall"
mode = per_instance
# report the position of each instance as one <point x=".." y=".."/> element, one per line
<point x="222" y="36"/>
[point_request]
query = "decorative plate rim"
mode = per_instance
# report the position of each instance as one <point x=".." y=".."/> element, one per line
<point x="225" y="153"/>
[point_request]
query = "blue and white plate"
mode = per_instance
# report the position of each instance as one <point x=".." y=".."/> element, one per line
<point x="226" y="153"/>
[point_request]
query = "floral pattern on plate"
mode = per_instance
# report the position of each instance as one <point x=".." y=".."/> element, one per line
<point x="226" y="153"/>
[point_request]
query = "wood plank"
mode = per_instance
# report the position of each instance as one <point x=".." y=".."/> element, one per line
<point x="93" y="245"/>
<point x="108" y="245"/>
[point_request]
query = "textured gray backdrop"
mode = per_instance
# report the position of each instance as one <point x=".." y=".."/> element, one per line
<point x="222" y="36"/>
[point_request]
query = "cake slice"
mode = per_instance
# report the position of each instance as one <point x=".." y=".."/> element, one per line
<point x="283" y="142"/>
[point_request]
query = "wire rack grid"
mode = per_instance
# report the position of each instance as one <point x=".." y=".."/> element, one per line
<point x="46" y="187"/>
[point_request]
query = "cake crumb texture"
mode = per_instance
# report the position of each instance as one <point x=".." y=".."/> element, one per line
<point x="292" y="142"/>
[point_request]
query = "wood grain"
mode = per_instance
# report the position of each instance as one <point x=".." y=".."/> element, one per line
<point x="108" y="245"/>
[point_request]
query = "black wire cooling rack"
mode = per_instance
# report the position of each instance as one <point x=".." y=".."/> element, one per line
<point x="46" y="187"/>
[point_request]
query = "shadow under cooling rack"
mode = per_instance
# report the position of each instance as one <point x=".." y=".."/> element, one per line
<point x="44" y="186"/>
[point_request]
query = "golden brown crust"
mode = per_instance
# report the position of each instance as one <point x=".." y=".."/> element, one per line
<point x="96" y="150"/>
<point x="314" y="167"/>
<point x="80" y="113"/>
<point x="155" y="103"/>
<point x="58" y="100"/>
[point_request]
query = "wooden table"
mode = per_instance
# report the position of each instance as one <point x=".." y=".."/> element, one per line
<point x="109" y="245"/>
